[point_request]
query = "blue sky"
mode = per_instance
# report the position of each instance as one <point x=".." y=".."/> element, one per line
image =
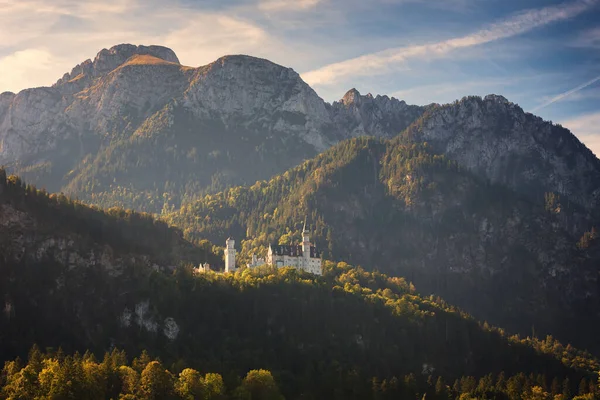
<point x="543" y="55"/>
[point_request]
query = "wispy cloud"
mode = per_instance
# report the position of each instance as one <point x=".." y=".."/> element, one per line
<point x="588" y="39"/>
<point x="19" y="67"/>
<point x="43" y="40"/>
<point x="387" y="60"/>
<point x="287" y="5"/>
<point x="566" y="94"/>
<point x="592" y="94"/>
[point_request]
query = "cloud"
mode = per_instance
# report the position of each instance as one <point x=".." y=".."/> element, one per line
<point x="210" y="36"/>
<point x="566" y="94"/>
<point x="587" y="129"/>
<point x="582" y="95"/>
<point x="23" y="67"/>
<point x="388" y="60"/>
<point x="40" y="41"/>
<point x="588" y="39"/>
<point x="287" y="5"/>
<point x="586" y="124"/>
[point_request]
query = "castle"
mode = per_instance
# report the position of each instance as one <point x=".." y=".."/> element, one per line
<point x="301" y="256"/>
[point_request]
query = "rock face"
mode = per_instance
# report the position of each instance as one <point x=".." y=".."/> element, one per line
<point x="263" y="95"/>
<point x="33" y="123"/>
<point x="498" y="141"/>
<point x="379" y="116"/>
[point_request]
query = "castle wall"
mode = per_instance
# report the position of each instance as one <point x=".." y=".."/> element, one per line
<point x="312" y="265"/>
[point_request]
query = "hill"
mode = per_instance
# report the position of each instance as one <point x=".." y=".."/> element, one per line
<point x="321" y="337"/>
<point x="399" y="207"/>
<point x="36" y="226"/>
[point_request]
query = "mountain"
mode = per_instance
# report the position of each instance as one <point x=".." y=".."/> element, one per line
<point x="496" y="140"/>
<point x="135" y="128"/>
<point x="84" y="279"/>
<point x="399" y="207"/>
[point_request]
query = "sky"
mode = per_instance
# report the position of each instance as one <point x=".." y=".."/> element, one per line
<point x="542" y="55"/>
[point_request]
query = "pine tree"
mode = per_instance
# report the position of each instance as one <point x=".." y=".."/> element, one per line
<point x="555" y="387"/>
<point x="566" y="389"/>
<point x="440" y="388"/>
<point x="583" y="387"/>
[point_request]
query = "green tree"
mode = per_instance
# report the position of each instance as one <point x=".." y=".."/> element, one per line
<point x="190" y="385"/>
<point x="536" y="393"/>
<point x="21" y="385"/>
<point x="130" y="380"/>
<point x="583" y="387"/>
<point x="258" y="385"/>
<point x="214" y="386"/>
<point x="566" y="392"/>
<point x="440" y="388"/>
<point x="139" y="363"/>
<point x="156" y="382"/>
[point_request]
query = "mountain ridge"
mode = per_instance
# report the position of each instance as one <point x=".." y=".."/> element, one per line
<point x="262" y="112"/>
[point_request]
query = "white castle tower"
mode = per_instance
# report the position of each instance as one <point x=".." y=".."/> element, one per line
<point x="230" y="255"/>
<point x="305" y="243"/>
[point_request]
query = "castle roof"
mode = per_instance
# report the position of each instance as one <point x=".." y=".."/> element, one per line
<point x="294" y="250"/>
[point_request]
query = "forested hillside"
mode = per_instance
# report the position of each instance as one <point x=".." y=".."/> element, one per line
<point x="173" y="158"/>
<point x="398" y="207"/>
<point x="329" y="337"/>
<point x="36" y="225"/>
<point x="350" y="334"/>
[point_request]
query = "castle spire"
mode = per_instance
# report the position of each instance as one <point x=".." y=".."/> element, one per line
<point x="305" y="242"/>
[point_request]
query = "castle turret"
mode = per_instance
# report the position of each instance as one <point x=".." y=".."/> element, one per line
<point x="230" y="255"/>
<point x="305" y="242"/>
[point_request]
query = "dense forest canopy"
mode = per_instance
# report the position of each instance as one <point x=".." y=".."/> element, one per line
<point x="348" y="334"/>
<point x="56" y="375"/>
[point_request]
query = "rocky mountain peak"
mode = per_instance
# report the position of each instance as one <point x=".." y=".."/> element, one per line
<point x="244" y="59"/>
<point x="495" y="139"/>
<point x="373" y="116"/>
<point x="267" y="96"/>
<point x="120" y="53"/>
<point x="252" y="69"/>
<point x="351" y="96"/>
<point x="496" y="98"/>
<point x="108" y="60"/>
